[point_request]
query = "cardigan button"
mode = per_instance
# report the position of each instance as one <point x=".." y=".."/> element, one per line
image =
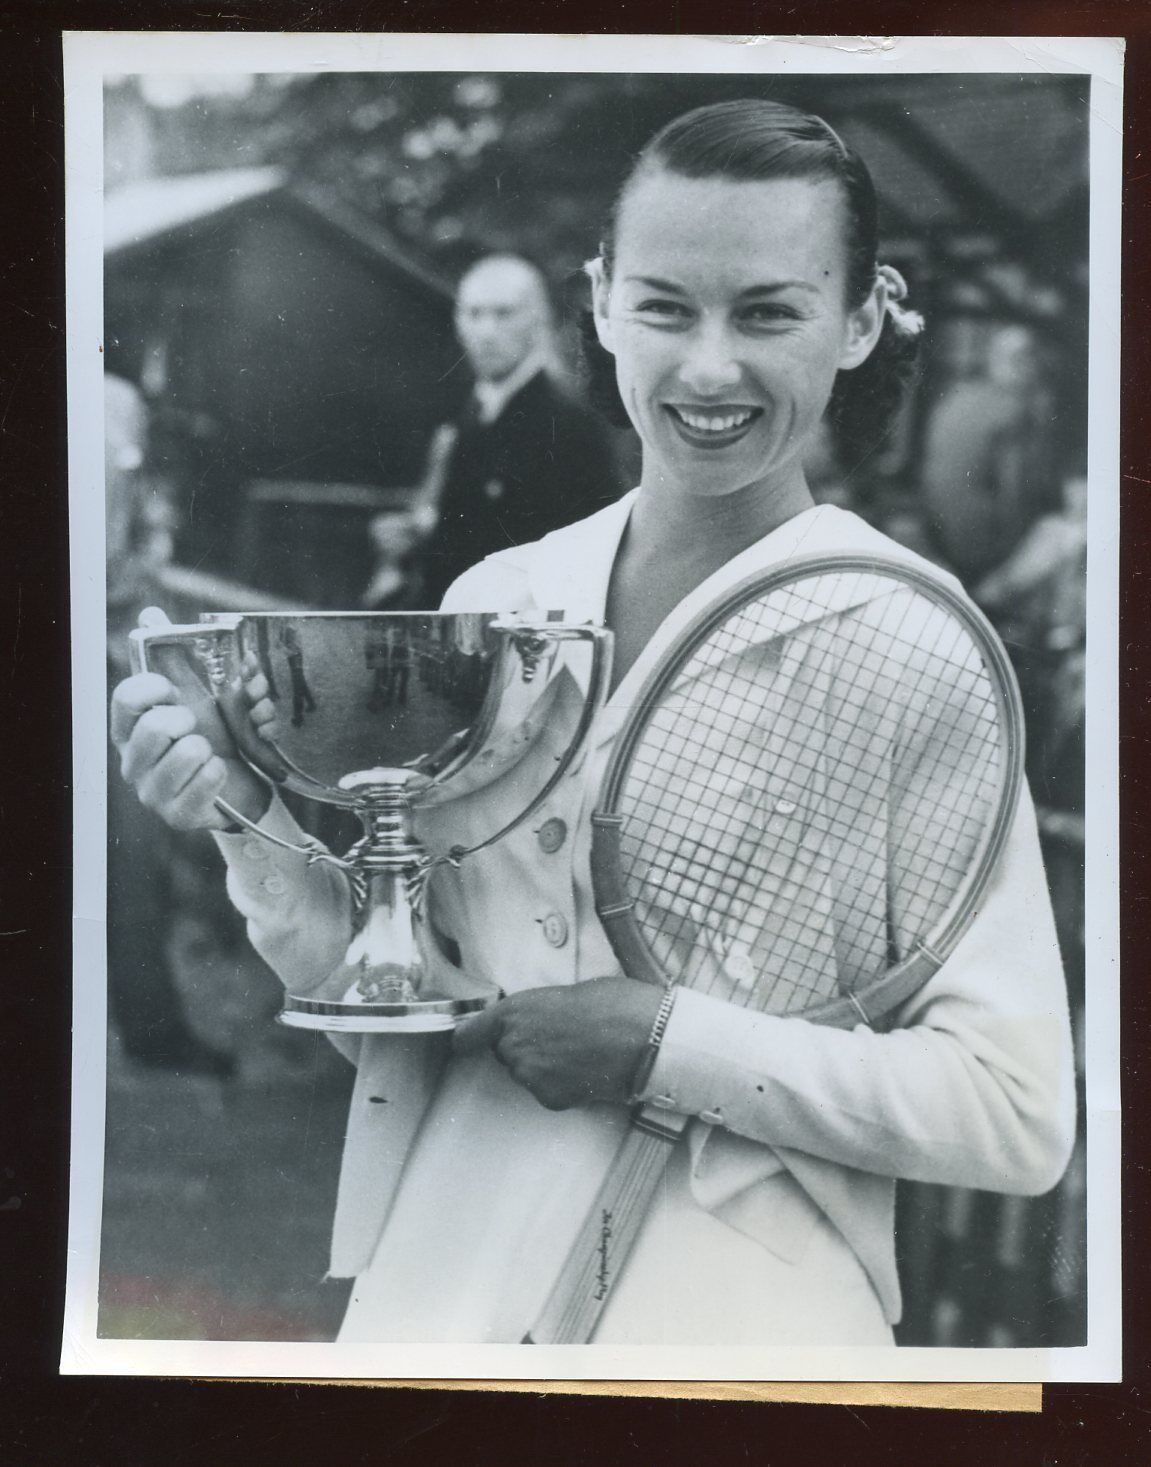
<point x="552" y="834"/>
<point x="555" y="929"/>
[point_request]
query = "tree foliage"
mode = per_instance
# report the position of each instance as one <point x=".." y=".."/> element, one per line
<point x="454" y="164"/>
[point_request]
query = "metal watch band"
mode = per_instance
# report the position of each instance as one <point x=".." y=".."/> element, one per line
<point x="651" y="1049"/>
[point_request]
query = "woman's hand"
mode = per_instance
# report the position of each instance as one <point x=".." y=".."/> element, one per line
<point x="173" y="763"/>
<point x="569" y="1045"/>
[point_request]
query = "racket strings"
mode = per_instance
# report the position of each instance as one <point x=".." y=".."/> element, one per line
<point x="725" y="909"/>
<point x="733" y="639"/>
<point x="817" y="778"/>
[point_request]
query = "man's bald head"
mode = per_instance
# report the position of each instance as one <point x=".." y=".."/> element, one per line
<point x="502" y="315"/>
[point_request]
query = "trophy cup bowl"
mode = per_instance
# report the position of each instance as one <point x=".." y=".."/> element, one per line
<point x="384" y="714"/>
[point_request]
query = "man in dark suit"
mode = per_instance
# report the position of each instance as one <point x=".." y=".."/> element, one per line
<point x="523" y="458"/>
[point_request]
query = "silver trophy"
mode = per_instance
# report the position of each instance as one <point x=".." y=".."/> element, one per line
<point x="385" y="714"/>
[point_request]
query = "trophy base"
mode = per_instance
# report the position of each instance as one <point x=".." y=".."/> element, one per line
<point x="424" y="1016"/>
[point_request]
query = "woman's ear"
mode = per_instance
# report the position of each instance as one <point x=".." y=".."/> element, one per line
<point x="600" y="302"/>
<point x="864" y="325"/>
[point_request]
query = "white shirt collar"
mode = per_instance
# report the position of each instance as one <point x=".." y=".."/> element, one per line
<point x="570" y="571"/>
<point x="493" y="397"/>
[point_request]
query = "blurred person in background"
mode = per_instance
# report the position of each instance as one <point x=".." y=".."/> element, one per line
<point x="143" y="999"/>
<point x="523" y="458"/>
<point x="397" y="583"/>
<point x="991" y="473"/>
<point x="990" y="460"/>
<point x="1037" y="598"/>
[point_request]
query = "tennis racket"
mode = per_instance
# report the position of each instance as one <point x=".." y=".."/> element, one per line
<point x="800" y="816"/>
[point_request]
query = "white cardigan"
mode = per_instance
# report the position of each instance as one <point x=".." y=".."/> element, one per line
<point x="973" y="1086"/>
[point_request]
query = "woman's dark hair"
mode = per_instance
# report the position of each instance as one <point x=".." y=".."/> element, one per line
<point x="750" y="141"/>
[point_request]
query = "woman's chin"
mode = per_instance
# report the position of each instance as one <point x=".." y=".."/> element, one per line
<point x="715" y="481"/>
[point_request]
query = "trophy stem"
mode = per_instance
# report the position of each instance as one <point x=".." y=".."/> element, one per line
<point x="383" y="953"/>
<point x="387" y="843"/>
<point x="383" y="961"/>
<point x="379" y="985"/>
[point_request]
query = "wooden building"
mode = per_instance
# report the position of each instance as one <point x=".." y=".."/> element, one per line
<point x="296" y="362"/>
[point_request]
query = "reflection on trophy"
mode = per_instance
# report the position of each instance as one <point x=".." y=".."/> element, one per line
<point x="386" y="714"/>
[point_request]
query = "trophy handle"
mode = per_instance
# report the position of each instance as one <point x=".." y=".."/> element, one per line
<point x="193" y="659"/>
<point x="315" y="852"/>
<point x="601" y="644"/>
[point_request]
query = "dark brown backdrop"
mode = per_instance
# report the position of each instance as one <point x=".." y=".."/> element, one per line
<point x="84" y="1422"/>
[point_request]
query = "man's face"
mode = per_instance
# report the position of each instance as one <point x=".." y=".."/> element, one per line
<point x="500" y="317"/>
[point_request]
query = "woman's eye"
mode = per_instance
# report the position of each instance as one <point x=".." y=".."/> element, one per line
<point x="673" y="310"/>
<point x="770" y="314"/>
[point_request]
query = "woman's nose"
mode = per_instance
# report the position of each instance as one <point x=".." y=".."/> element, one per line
<point x="710" y="363"/>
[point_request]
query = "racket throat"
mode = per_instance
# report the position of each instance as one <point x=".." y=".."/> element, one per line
<point x="668" y="1125"/>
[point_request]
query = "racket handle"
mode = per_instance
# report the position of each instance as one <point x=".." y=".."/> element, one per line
<point x="611" y="1226"/>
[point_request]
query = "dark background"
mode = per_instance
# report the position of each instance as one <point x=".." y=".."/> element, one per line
<point x="87" y="1422"/>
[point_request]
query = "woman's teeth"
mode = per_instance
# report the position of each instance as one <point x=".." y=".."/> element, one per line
<point x="710" y="423"/>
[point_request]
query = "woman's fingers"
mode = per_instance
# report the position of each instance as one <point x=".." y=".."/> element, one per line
<point x="166" y="778"/>
<point x="182" y="784"/>
<point x="133" y="698"/>
<point x="568" y="1045"/>
<point x="194" y="808"/>
<point x="479" y="1031"/>
<point x="170" y="763"/>
<point x="154" y="733"/>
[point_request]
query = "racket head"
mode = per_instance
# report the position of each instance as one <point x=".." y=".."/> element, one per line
<point x="811" y="791"/>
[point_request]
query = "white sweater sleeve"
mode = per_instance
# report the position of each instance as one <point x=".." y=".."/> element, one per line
<point x="298" y="915"/>
<point x="974" y="1087"/>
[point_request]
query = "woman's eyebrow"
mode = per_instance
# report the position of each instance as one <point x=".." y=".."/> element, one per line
<point x="776" y="286"/>
<point x="653" y="282"/>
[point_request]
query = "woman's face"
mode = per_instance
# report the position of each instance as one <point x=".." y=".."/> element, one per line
<point x="726" y="314"/>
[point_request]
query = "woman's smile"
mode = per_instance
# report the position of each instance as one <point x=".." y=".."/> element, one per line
<point x="711" y="427"/>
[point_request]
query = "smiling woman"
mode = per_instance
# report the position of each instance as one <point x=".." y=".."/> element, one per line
<point x="738" y="300"/>
<point x="726" y="309"/>
<point x="757" y="142"/>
